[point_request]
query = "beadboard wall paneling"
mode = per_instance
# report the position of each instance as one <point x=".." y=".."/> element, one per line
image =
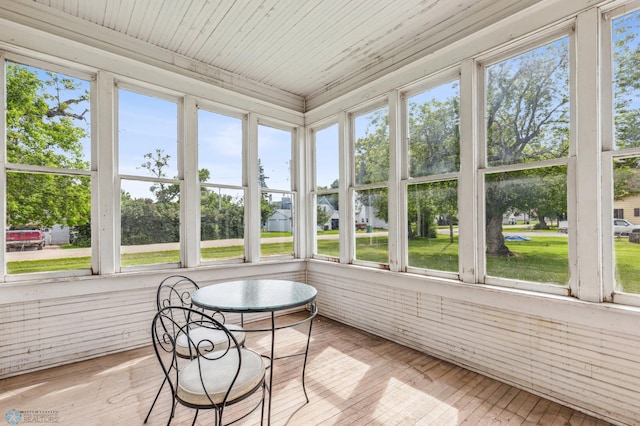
<point x="39" y="334"/>
<point x="592" y="368"/>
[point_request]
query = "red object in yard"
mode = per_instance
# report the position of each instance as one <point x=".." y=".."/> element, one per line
<point x="21" y="237"/>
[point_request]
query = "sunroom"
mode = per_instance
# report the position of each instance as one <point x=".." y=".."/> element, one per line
<point x="446" y="175"/>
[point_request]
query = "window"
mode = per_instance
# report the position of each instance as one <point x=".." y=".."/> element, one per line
<point x="149" y="184"/>
<point x="277" y="202"/>
<point x="434" y="163"/>
<point x="527" y="146"/>
<point x="625" y="161"/>
<point x="220" y="170"/>
<point x="327" y="183"/>
<point x="48" y="170"/>
<point x="371" y="168"/>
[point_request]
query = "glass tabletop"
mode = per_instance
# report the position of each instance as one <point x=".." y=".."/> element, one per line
<point x="254" y="295"/>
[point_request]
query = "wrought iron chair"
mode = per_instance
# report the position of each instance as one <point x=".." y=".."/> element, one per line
<point x="175" y="290"/>
<point x="217" y="375"/>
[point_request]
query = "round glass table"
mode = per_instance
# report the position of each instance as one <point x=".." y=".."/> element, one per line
<point x="263" y="295"/>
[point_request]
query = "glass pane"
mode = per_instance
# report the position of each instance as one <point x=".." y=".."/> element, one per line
<point x="148" y="135"/>
<point x="327" y="225"/>
<point x="433" y="225"/>
<point x="327" y="177"/>
<point x="527" y="106"/>
<point x="277" y="224"/>
<point x="372" y="239"/>
<point x="221" y="224"/>
<point x="626" y="224"/>
<point x="327" y="158"/>
<point x="274" y="158"/>
<point x="434" y="136"/>
<point x="149" y="223"/>
<point x="372" y="147"/>
<point x="46" y="212"/>
<point x="626" y="108"/>
<point x="523" y="211"/>
<point x="219" y="148"/>
<point x="48" y="118"/>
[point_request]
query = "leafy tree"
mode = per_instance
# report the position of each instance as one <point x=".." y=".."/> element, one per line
<point x="626" y="82"/>
<point x="145" y="221"/>
<point x="322" y="216"/>
<point x="44" y="128"/>
<point x="434" y="144"/>
<point x="626" y="178"/>
<point x="266" y="209"/>
<point x="222" y="216"/>
<point x="527" y="120"/>
<point x="155" y="164"/>
<point x="434" y="148"/>
<point x="372" y="150"/>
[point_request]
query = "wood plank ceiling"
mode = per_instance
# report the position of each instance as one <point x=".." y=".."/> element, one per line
<point x="305" y="48"/>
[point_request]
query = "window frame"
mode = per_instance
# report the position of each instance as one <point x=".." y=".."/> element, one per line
<point x="531" y="42"/>
<point x="215" y="108"/>
<point x="436" y="80"/>
<point x="164" y="95"/>
<point x="352" y="187"/>
<point x="315" y="193"/>
<point x="609" y="153"/>
<point x="79" y="72"/>
<point x="293" y="190"/>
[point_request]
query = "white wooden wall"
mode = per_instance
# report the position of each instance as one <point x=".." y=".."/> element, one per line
<point x="583" y="356"/>
<point x="43" y="328"/>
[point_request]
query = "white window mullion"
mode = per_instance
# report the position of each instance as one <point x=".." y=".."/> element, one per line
<point x="345" y="188"/>
<point x="190" y="201"/>
<point x="396" y="200"/>
<point x="469" y="235"/>
<point x="606" y="163"/>
<point x="588" y="171"/>
<point x="106" y="226"/>
<point x="309" y="167"/>
<point x="251" y="183"/>
<point x="299" y="188"/>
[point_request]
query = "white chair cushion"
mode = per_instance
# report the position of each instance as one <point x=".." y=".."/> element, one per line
<point x="217" y="375"/>
<point x="203" y="334"/>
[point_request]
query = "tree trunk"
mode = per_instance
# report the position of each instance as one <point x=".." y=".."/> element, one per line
<point x="495" y="239"/>
<point x="543" y="223"/>
<point x="451" y="232"/>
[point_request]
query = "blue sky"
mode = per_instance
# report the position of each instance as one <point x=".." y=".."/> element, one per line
<point x="148" y="123"/>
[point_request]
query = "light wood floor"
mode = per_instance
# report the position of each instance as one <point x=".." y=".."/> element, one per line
<point x="353" y="378"/>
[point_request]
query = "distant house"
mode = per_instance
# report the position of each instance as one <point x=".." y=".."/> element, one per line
<point x="628" y="208"/>
<point x="368" y="214"/>
<point x="334" y="215"/>
<point x="279" y="221"/>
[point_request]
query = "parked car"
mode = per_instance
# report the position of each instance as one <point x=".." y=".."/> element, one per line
<point x="25" y="236"/>
<point x="622" y="227"/>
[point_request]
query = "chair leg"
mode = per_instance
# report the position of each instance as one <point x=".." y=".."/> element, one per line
<point x="156" y="399"/>
<point x="195" y="417"/>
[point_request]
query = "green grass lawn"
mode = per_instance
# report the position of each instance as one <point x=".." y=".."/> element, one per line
<point x="627" y="265"/>
<point x="542" y="259"/>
